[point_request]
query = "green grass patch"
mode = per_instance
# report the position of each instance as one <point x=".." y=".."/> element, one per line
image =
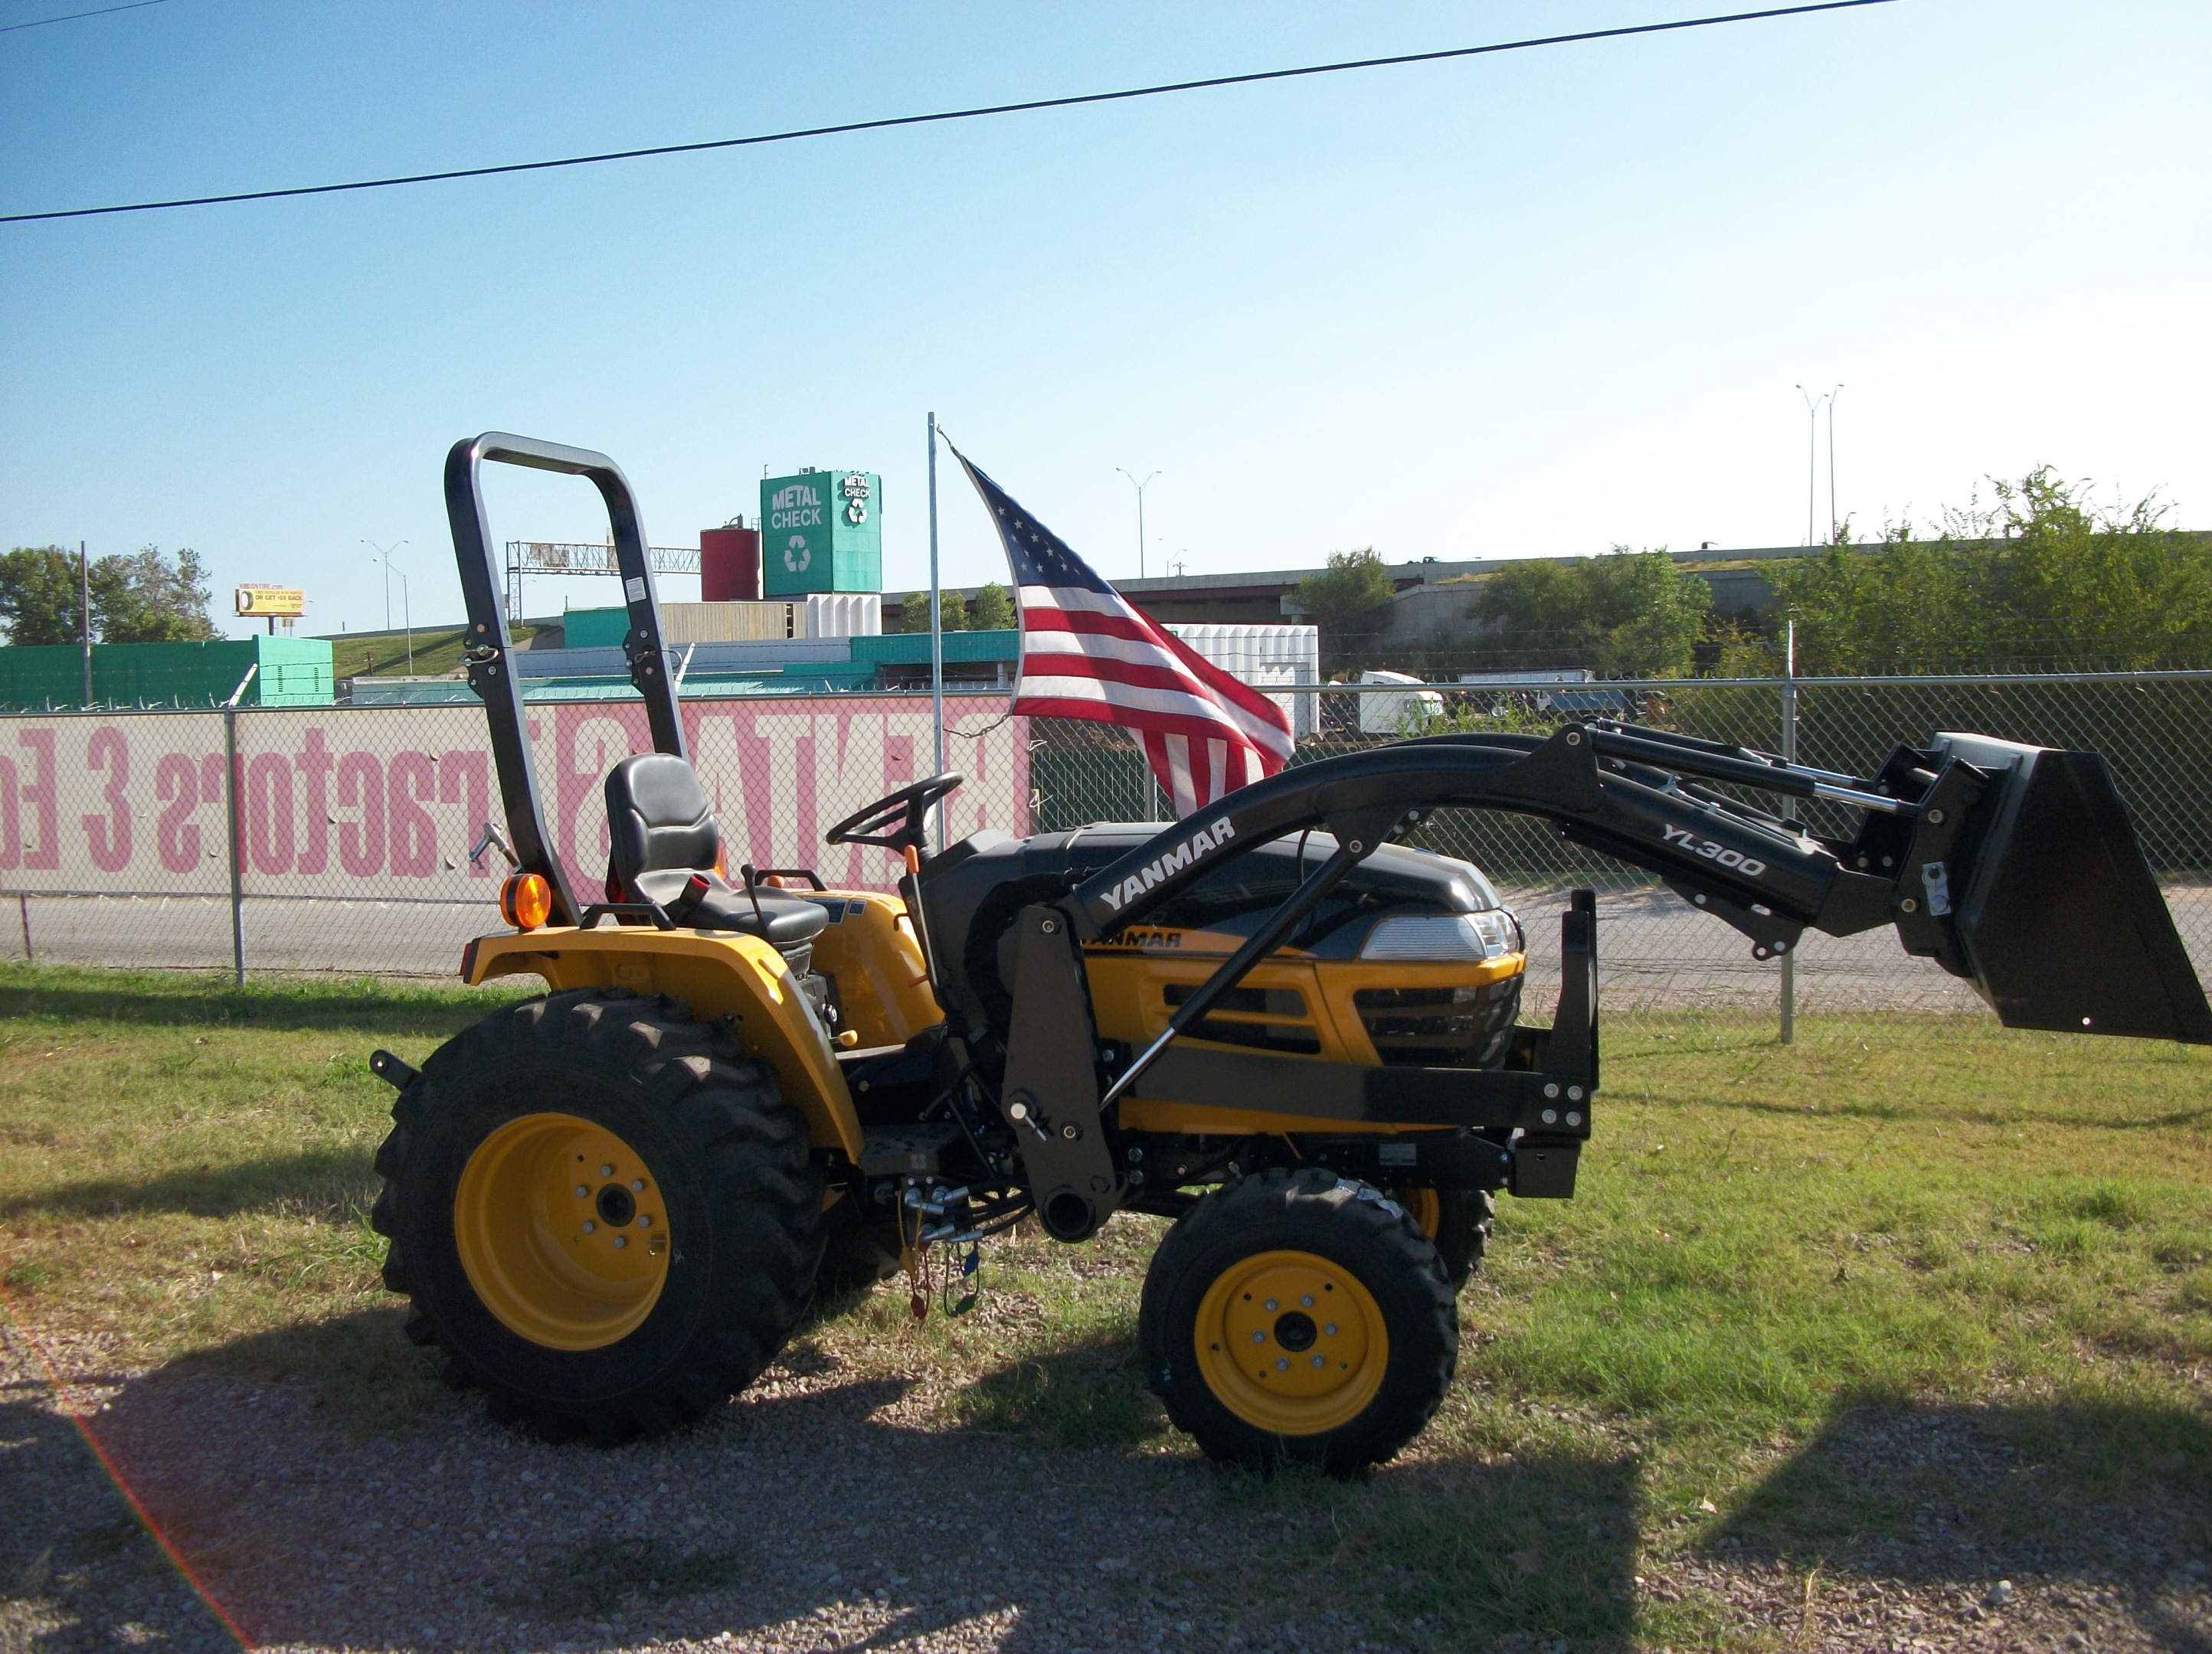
<point x="1777" y="1255"/>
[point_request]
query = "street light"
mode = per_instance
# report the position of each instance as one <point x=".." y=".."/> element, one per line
<point x="406" y="605"/>
<point x="1832" y="394"/>
<point x="1139" y="487"/>
<point x="1813" y="456"/>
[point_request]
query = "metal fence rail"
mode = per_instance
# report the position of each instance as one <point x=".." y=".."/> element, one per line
<point x="337" y="839"/>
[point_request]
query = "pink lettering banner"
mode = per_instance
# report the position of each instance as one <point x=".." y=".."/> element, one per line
<point x="387" y="802"/>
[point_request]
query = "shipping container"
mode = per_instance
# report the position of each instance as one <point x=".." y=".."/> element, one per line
<point x="1267" y="657"/>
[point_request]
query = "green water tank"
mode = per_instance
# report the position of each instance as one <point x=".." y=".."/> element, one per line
<point x="821" y="530"/>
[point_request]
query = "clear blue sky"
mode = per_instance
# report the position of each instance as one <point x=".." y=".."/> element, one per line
<point x="1541" y="302"/>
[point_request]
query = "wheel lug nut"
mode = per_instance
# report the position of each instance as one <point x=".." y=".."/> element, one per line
<point x="1282" y="1366"/>
<point x="1259" y="1337"/>
<point x="1330" y="1329"/>
<point x="621" y="1241"/>
<point x="1306" y="1301"/>
<point x="583" y="1192"/>
<point x="1273" y="1306"/>
<point x="590" y="1227"/>
<point x="637" y="1185"/>
<point x="1319" y="1362"/>
<point x="606" y="1170"/>
<point x="645" y="1219"/>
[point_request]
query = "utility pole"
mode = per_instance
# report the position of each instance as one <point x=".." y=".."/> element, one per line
<point x="1139" y="487"/>
<point x="84" y="615"/>
<point x="936" y="642"/>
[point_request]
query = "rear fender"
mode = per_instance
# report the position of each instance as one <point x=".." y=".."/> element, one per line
<point x="869" y="948"/>
<point x="717" y="975"/>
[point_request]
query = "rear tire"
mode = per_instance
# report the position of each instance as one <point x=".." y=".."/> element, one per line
<point x="659" y="1292"/>
<point x="1298" y="1317"/>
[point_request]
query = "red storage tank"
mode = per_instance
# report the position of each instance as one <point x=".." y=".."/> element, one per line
<point x="729" y="565"/>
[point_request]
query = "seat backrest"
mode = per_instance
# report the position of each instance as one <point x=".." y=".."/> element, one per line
<point x="658" y="820"/>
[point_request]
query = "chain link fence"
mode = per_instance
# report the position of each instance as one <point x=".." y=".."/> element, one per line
<point x="1667" y="969"/>
<point x="339" y="839"/>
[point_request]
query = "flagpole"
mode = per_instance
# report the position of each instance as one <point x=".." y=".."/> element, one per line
<point x="936" y="636"/>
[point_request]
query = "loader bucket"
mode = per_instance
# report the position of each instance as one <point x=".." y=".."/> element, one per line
<point x="2057" y="912"/>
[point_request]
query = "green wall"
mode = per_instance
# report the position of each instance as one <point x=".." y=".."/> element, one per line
<point x="292" y="672"/>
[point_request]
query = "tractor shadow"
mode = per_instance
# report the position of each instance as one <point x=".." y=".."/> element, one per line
<point x="822" y="1502"/>
<point x="2050" y="1497"/>
<point x="316" y="1179"/>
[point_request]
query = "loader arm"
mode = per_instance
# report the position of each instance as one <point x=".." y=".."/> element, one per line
<point x="2013" y="866"/>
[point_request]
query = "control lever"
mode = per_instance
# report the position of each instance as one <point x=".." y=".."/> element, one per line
<point x="493" y="839"/>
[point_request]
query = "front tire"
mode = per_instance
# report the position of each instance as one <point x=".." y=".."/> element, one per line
<point x="1457" y="1222"/>
<point x="1298" y="1317"/>
<point x="605" y="1216"/>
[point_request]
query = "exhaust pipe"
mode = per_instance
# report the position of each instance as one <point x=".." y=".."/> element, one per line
<point x="2060" y="922"/>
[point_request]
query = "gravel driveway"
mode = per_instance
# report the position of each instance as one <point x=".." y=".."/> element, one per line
<point x="823" y="1511"/>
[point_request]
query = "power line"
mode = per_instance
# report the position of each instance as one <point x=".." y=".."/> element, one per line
<point x="41" y="22"/>
<point x="888" y="122"/>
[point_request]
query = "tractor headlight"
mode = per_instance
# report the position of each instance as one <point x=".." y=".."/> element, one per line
<point x="1444" y="938"/>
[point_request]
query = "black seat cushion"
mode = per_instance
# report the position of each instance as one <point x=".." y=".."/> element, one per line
<point x="663" y="834"/>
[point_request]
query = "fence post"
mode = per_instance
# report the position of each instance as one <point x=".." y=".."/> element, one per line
<point x="23" y="906"/>
<point x="237" y="837"/>
<point x="1790" y="756"/>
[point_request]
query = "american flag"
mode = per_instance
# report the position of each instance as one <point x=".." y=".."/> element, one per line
<point x="1088" y="653"/>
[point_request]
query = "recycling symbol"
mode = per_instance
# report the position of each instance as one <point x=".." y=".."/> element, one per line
<point x="856" y="512"/>
<point x="798" y="554"/>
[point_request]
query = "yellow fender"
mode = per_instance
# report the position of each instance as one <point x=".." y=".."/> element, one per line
<point x="718" y="974"/>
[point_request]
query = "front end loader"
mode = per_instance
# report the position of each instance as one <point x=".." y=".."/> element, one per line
<point x="1274" y="1023"/>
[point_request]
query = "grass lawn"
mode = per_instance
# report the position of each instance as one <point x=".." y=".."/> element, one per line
<point x="384" y="654"/>
<point x="1769" y="1246"/>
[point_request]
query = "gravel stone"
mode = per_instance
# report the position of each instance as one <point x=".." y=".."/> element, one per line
<point x="820" y="1511"/>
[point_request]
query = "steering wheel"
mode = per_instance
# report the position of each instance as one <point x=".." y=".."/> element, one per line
<point x="900" y="822"/>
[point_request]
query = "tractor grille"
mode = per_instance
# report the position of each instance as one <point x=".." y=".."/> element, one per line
<point x="1441" y="1028"/>
<point x="1297" y="1038"/>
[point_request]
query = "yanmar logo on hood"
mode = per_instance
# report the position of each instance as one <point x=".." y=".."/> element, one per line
<point x="1167" y="866"/>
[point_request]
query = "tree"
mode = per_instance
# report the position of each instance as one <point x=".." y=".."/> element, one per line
<point x="1630" y="614"/>
<point x="145" y="597"/>
<point x="2039" y="579"/>
<point x="994" y="610"/>
<point x="952" y="609"/>
<point x="38" y="597"/>
<point x="1346" y="599"/>
<point x="151" y="598"/>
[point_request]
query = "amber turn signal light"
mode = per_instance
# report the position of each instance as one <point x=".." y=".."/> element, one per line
<point x="526" y="901"/>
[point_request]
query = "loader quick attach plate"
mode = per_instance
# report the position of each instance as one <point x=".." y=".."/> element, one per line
<point x="2059" y="915"/>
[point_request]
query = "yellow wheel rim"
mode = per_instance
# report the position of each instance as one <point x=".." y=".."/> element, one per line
<point x="562" y="1232"/>
<point x="1292" y="1343"/>
<point x="1425" y="1206"/>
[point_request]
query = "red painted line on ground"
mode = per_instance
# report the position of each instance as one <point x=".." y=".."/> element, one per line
<point x="130" y="1494"/>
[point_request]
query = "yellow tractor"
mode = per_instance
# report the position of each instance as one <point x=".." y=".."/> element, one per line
<point x="1272" y="1022"/>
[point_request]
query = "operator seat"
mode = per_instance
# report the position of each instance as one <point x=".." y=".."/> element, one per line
<point x="663" y="836"/>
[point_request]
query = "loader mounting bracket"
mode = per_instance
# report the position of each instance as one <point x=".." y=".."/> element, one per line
<point x="1049" y="1095"/>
